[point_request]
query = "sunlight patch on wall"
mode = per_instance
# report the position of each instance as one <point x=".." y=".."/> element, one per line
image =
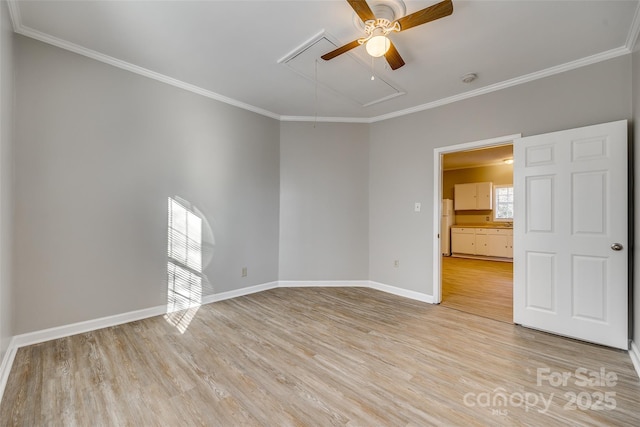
<point x="186" y="229"/>
<point x="185" y="236"/>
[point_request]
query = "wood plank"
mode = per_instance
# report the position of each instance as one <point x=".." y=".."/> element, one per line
<point x="480" y="287"/>
<point x="313" y="356"/>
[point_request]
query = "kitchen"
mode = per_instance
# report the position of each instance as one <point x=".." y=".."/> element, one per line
<point x="477" y="232"/>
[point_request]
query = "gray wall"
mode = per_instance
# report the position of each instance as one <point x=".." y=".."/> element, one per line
<point x="324" y="203"/>
<point x="636" y="136"/>
<point x="98" y="152"/>
<point x="6" y="194"/>
<point x="401" y="152"/>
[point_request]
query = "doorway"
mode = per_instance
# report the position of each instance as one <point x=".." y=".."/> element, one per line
<point x="478" y="281"/>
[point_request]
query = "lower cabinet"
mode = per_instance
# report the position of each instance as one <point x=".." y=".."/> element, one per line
<point x="498" y="245"/>
<point x="482" y="242"/>
<point x="463" y="240"/>
<point x="495" y="242"/>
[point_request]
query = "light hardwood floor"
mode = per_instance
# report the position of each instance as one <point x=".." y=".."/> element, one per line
<point x="316" y="357"/>
<point x="480" y="287"/>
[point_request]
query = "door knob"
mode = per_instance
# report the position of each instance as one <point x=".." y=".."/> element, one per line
<point x="616" y="247"/>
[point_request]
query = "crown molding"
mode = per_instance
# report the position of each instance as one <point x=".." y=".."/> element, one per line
<point x="632" y="39"/>
<point x="72" y="47"/>
<point x="610" y="54"/>
<point x="325" y="119"/>
<point x="634" y="30"/>
<point x="14" y="14"/>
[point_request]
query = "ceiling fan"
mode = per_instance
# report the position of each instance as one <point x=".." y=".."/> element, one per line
<point x="376" y="29"/>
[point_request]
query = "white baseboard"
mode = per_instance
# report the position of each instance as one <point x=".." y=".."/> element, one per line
<point x="5" y="366"/>
<point x="104" y="322"/>
<point x="634" y="353"/>
<point x="418" y="296"/>
<point x="87" y="326"/>
<point x="238" y="292"/>
<point x="118" y="319"/>
<point x="36" y="337"/>
<point x="323" y="283"/>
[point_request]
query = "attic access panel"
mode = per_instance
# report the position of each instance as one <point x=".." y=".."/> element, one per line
<point x="345" y="75"/>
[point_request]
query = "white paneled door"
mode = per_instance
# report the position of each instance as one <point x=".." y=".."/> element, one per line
<point x="570" y="233"/>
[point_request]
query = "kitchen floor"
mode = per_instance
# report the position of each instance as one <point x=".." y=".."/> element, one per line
<point x="480" y="287"/>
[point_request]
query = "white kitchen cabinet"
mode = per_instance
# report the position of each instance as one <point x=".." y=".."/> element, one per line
<point x="463" y="240"/>
<point x="484" y="195"/>
<point x="498" y="246"/>
<point x="464" y="197"/>
<point x="498" y="242"/>
<point x="482" y="242"/>
<point x="493" y="242"/>
<point x="473" y="196"/>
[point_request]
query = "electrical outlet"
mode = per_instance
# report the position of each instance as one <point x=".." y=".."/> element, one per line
<point x="486" y="218"/>
<point x="396" y="263"/>
<point x="244" y="271"/>
<point x="417" y="207"/>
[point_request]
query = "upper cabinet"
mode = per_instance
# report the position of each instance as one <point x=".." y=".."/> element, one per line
<point x="473" y="196"/>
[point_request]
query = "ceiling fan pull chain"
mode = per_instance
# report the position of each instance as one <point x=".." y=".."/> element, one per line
<point x="315" y="120"/>
<point x="373" y="77"/>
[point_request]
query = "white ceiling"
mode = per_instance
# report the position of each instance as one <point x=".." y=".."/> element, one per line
<point x="229" y="50"/>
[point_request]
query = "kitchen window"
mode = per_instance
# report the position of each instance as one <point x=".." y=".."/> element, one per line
<point x="503" y="203"/>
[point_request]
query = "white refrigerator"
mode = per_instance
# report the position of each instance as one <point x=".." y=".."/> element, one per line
<point x="446" y="222"/>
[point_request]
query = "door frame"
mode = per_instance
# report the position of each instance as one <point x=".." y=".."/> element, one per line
<point x="437" y="197"/>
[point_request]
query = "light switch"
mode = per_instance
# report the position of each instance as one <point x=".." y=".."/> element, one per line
<point x="417" y="206"/>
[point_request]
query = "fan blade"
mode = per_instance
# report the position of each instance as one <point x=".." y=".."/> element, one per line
<point x="393" y="57"/>
<point x="362" y="9"/>
<point x="431" y="13"/>
<point x="340" y="50"/>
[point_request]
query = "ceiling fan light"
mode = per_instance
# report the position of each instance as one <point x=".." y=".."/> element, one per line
<point x="377" y="46"/>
